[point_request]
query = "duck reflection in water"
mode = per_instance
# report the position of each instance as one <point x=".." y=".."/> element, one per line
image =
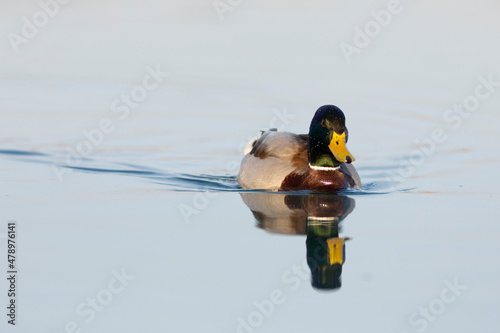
<point x="316" y="215"/>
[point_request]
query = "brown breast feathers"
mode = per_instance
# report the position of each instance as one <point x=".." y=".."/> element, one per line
<point x="320" y="180"/>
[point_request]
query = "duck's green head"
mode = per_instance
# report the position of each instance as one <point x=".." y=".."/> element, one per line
<point x="328" y="137"/>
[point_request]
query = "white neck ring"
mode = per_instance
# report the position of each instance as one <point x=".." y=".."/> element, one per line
<point x="324" y="168"/>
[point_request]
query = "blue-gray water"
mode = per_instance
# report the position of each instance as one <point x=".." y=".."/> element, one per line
<point x="130" y="218"/>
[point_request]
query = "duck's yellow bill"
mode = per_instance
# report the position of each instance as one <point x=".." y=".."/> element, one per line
<point x="338" y="148"/>
<point x="336" y="250"/>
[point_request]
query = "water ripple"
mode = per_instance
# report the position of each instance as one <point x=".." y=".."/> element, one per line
<point x="184" y="182"/>
<point x="20" y="152"/>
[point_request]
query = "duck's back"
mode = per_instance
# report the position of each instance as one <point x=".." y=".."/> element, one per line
<point x="273" y="157"/>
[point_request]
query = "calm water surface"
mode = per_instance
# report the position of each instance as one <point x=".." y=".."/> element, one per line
<point x="204" y="253"/>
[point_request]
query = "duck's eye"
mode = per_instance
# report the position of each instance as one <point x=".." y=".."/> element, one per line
<point x="337" y="143"/>
<point x="323" y="123"/>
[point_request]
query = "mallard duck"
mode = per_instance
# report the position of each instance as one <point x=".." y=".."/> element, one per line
<point x="289" y="162"/>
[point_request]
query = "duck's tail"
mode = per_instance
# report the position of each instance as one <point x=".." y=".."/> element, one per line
<point x="249" y="146"/>
<point x="251" y="143"/>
